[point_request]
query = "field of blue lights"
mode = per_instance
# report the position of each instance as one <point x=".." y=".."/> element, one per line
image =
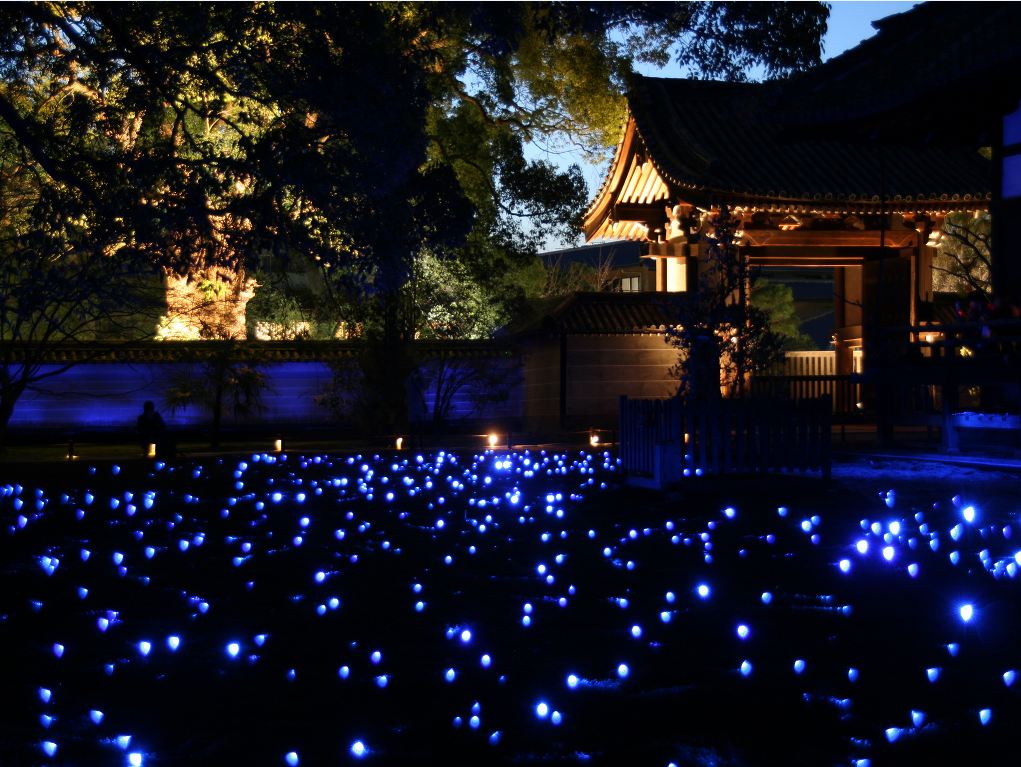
<point x="504" y="607"/>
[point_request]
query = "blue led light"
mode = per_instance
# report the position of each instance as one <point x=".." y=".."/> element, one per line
<point x="542" y="710"/>
<point x="746" y="668"/>
<point x="623" y="670"/>
<point x="233" y="649"/>
<point x="292" y="759"/>
<point x="967" y="612"/>
<point x="984" y="716"/>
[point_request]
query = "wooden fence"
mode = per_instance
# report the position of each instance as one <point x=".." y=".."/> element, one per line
<point x="751" y="435"/>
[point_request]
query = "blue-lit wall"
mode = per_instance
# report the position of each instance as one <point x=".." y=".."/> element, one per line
<point x="110" y="396"/>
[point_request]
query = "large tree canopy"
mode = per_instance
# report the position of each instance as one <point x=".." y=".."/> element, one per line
<point x="355" y="133"/>
<point x="183" y="139"/>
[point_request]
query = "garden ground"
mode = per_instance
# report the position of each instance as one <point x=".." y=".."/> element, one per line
<point x="523" y="605"/>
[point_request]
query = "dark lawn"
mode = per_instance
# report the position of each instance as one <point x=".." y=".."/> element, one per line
<point x="212" y="563"/>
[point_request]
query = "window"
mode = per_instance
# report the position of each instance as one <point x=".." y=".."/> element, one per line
<point x="630" y="284"/>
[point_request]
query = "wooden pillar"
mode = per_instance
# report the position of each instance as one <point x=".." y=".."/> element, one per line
<point x="691" y="267"/>
<point x="1006" y="208"/>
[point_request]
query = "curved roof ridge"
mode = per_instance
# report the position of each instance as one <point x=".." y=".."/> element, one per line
<point x="722" y="140"/>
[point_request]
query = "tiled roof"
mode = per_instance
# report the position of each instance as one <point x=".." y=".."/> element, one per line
<point x="260" y="352"/>
<point x="939" y="70"/>
<point x="602" y="313"/>
<point x="720" y="142"/>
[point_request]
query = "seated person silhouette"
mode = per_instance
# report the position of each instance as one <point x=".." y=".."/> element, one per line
<point x="152" y="430"/>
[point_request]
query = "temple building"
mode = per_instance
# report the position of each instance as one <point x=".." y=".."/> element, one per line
<point x="866" y="212"/>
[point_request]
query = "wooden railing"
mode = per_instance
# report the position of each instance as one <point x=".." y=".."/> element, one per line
<point x="750" y="435"/>
<point x="810" y="363"/>
<point x="844" y="391"/>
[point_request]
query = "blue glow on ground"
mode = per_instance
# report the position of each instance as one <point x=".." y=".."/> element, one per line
<point x="217" y="564"/>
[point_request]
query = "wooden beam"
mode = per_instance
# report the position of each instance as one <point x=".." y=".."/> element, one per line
<point x="830" y="238"/>
<point x="647" y="214"/>
<point x="801" y="262"/>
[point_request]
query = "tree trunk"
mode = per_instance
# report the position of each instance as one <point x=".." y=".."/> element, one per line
<point x="7" y="401"/>
<point x="395" y="367"/>
<point x="219" y="376"/>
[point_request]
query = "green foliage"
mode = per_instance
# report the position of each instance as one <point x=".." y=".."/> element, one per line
<point x="289" y="305"/>
<point x="777" y="302"/>
<point x="450" y="304"/>
<point x="223" y="386"/>
<point x="962" y="263"/>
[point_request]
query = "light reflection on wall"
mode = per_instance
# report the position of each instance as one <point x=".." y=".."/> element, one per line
<point x="110" y="396"/>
